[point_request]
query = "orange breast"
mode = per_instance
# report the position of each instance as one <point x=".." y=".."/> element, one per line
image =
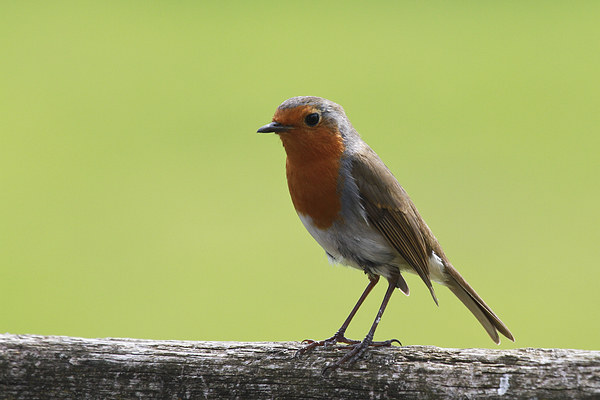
<point x="312" y="166"/>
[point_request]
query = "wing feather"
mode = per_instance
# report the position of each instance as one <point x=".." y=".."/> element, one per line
<point x="389" y="209"/>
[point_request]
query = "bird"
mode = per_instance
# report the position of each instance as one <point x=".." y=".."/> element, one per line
<point x="357" y="211"/>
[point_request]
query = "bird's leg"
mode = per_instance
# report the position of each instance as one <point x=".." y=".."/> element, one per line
<point x="339" y="335"/>
<point x="358" y="349"/>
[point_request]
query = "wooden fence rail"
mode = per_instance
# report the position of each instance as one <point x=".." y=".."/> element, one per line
<point x="55" y="367"/>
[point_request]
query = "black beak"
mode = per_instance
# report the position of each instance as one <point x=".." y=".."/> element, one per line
<point x="275" y="127"/>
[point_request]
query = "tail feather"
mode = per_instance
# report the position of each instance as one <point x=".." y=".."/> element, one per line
<point x="484" y="314"/>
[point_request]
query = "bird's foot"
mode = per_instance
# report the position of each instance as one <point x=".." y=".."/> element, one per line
<point x="327" y="343"/>
<point x="357" y="351"/>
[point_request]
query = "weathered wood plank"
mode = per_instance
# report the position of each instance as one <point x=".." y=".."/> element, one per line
<point x="54" y="367"/>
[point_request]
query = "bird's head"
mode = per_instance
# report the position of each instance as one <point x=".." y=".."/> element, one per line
<point x="310" y="127"/>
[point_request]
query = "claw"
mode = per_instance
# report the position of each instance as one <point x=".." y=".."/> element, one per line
<point x="385" y="343"/>
<point x="327" y="343"/>
<point x="357" y="351"/>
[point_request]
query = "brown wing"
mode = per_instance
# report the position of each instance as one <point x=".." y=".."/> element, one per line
<point x="391" y="212"/>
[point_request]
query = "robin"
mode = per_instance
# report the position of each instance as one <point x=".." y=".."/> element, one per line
<point x="354" y="207"/>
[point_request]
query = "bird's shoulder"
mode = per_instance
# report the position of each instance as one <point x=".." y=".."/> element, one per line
<point x="377" y="183"/>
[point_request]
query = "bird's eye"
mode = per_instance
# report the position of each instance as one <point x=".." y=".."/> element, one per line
<point x="312" y="119"/>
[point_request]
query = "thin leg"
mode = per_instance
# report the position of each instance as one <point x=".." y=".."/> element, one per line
<point x="359" y="348"/>
<point x="339" y="335"/>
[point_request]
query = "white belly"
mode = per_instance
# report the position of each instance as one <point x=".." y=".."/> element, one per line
<point x="357" y="242"/>
<point x="362" y="246"/>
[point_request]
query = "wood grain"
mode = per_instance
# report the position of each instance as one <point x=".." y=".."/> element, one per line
<point x="53" y="367"/>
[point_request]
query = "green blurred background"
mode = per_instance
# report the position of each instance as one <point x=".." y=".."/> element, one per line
<point x="138" y="201"/>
